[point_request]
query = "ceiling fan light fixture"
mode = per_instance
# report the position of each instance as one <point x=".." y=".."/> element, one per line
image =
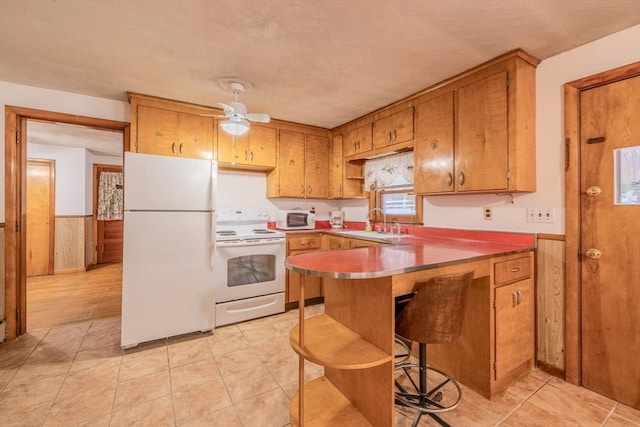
<point x="235" y="127"/>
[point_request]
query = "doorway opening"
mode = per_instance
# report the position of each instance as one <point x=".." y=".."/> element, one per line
<point x="17" y="120"/>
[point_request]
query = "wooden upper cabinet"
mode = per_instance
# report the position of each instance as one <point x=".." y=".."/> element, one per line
<point x="303" y="167"/>
<point x="477" y="134"/>
<point x="291" y="165"/>
<point x="317" y="155"/>
<point x="170" y="129"/>
<point x="337" y="167"/>
<point x="358" y="140"/>
<point x="255" y="150"/>
<point x="482" y="142"/>
<point x="393" y="129"/>
<point x="433" y="152"/>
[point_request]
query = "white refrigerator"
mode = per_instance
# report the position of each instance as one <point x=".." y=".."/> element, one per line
<point x="169" y="239"/>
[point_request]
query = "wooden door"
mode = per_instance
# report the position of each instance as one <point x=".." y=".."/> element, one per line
<point x="109" y="234"/>
<point x="317" y="170"/>
<point x="40" y="217"/>
<point x="433" y="171"/>
<point x="393" y="129"/>
<point x="610" y="239"/>
<point x="291" y="164"/>
<point x="481" y="140"/>
<point x="262" y="146"/>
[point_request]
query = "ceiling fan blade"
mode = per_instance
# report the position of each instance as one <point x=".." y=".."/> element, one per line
<point x="259" y="117"/>
<point x="227" y="107"/>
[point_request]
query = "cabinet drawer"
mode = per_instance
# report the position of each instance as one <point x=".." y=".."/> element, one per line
<point x="512" y="270"/>
<point x="303" y="242"/>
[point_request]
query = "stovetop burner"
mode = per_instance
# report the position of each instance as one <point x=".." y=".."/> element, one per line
<point x="244" y="224"/>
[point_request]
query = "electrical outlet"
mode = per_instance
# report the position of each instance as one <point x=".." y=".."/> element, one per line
<point x="487" y="213"/>
<point x="544" y="215"/>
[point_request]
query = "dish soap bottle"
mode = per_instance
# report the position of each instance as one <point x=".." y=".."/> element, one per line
<point x="367" y="225"/>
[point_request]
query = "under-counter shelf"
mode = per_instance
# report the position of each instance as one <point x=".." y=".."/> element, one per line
<point x="326" y="406"/>
<point x="330" y="344"/>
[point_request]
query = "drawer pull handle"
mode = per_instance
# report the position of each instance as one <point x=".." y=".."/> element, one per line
<point x="515" y="269"/>
<point x="514" y="299"/>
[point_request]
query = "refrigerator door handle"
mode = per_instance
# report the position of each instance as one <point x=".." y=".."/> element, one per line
<point x="214" y="188"/>
<point x="212" y="249"/>
<point x="214" y="184"/>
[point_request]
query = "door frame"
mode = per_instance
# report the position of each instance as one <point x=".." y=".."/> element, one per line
<point x="15" y="130"/>
<point x="97" y="168"/>
<point x="573" y="260"/>
<point x="52" y="208"/>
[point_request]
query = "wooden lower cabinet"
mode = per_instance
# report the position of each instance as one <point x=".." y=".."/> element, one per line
<point x="496" y="347"/>
<point x="300" y="244"/>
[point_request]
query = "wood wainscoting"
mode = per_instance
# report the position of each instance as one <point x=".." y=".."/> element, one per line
<point x="550" y="290"/>
<point x="71" y="243"/>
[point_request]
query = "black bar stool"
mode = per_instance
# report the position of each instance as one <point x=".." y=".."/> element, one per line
<point x="433" y="315"/>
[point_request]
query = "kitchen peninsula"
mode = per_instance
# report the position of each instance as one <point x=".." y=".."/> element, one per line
<point x="354" y="338"/>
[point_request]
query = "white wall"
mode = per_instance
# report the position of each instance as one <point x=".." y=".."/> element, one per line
<point x="238" y="189"/>
<point x="70" y="175"/>
<point x="73" y="175"/>
<point x="466" y="211"/>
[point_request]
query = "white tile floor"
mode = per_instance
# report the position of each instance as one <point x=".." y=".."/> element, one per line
<point x="241" y="375"/>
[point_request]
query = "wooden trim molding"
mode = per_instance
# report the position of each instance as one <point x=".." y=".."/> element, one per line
<point x="572" y="91"/>
<point x="15" y="133"/>
<point x="543" y="236"/>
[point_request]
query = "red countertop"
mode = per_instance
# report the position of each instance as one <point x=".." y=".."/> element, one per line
<point x="411" y="253"/>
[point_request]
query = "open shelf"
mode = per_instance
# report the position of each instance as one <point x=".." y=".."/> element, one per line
<point x="330" y="344"/>
<point x="326" y="406"/>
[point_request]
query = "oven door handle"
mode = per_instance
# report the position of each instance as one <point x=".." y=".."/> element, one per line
<point x="250" y="243"/>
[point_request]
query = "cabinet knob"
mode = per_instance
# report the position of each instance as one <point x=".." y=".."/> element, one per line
<point x="518" y="297"/>
<point x="251" y="157"/>
<point x="180" y="148"/>
<point x="246" y="156"/>
<point x="449" y="179"/>
<point x="308" y="189"/>
<point x="173" y="148"/>
<point x="461" y="178"/>
<point x="302" y="189"/>
<point x="593" y="253"/>
<point x="395" y="135"/>
<point x="514" y="299"/>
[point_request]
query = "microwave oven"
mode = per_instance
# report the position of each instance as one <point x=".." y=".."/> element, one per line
<point x="295" y="220"/>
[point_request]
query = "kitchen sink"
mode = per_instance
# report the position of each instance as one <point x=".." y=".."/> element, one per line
<point x="376" y="235"/>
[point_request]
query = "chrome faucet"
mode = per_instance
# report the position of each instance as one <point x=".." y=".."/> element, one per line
<point x="384" y="218"/>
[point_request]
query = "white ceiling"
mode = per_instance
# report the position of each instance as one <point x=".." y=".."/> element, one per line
<point x="315" y="62"/>
<point x="98" y="141"/>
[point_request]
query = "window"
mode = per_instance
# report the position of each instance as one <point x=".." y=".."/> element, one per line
<point x="390" y="180"/>
<point x="400" y="205"/>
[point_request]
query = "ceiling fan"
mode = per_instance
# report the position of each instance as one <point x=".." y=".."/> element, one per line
<point x="238" y="118"/>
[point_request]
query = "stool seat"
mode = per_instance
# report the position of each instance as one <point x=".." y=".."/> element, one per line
<point x="433" y="315"/>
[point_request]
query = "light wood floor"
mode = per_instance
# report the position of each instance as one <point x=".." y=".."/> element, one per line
<point x="75" y="297"/>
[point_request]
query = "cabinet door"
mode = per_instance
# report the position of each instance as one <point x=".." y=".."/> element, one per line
<point x="481" y="148"/>
<point x="358" y="140"/>
<point x="317" y="167"/>
<point x="232" y="150"/>
<point x="337" y="167"/>
<point x="256" y="148"/>
<point x="394" y="129"/>
<point x="195" y="136"/>
<point x="291" y="152"/>
<point x="157" y="131"/>
<point x="514" y="326"/>
<point x="433" y="151"/>
<point x="262" y="146"/>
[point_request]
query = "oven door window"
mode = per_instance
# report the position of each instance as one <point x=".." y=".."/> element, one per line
<point x="250" y="269"/>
